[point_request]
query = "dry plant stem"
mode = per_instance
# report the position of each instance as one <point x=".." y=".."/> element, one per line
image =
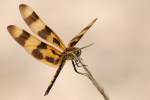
<point x="99" y="88"/>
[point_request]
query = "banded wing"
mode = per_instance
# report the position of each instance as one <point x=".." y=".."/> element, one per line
<point x="75" y="40"/>
<point x="35" y="47"/>
<point x="39" y="27"/>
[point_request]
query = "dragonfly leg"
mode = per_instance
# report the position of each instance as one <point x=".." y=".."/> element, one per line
<point x="78" y="63"/>
<point x="75" y="69"/>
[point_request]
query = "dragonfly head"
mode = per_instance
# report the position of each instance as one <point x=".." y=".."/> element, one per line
<point x="72" y="53"/>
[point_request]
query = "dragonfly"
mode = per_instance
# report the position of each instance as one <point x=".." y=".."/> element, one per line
<point x="54" y="53"/>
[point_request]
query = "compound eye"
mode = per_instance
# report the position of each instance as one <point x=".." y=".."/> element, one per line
<point x="78" y="53"/>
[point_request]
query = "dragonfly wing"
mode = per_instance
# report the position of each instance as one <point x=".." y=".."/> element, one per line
<point x="39" y="27"/>
<point x="75" y="40"/>
<point x="38" y="49"/>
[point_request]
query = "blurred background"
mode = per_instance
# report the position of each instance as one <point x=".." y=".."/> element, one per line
<point x="119" y="59"/>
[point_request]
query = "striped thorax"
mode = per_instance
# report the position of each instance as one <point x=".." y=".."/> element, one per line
<point x="71" y="53"/>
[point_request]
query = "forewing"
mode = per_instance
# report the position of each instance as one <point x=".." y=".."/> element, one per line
<point x="39" y="27"/>
<point x="75" y="40"/>
<point x="35" y="47"/>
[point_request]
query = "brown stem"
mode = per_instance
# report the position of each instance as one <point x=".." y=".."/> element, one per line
<point x="99" y="88"/>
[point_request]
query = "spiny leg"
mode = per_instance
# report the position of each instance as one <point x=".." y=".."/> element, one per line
<point x="75" y="69"/>
<point x="55" y="77"/>
<point x="78" y="62"/>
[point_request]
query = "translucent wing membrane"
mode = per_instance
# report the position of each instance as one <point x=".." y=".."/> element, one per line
<point x="35" y="47"/>
<point x="75" y="40"/>
<point x="39" y="27"/>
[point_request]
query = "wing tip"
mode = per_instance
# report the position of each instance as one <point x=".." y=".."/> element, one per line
<point x="22" y="6"/>
<point x="25" y="10"/>
<point x="94" y="20"/>
<point x="14" y="30"/>
<point x="10" y="28"/>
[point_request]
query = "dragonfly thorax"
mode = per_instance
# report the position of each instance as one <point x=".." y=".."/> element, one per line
<point x="72" y="53"/>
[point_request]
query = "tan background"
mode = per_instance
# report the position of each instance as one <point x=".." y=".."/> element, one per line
<point x="119" y="60"/>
